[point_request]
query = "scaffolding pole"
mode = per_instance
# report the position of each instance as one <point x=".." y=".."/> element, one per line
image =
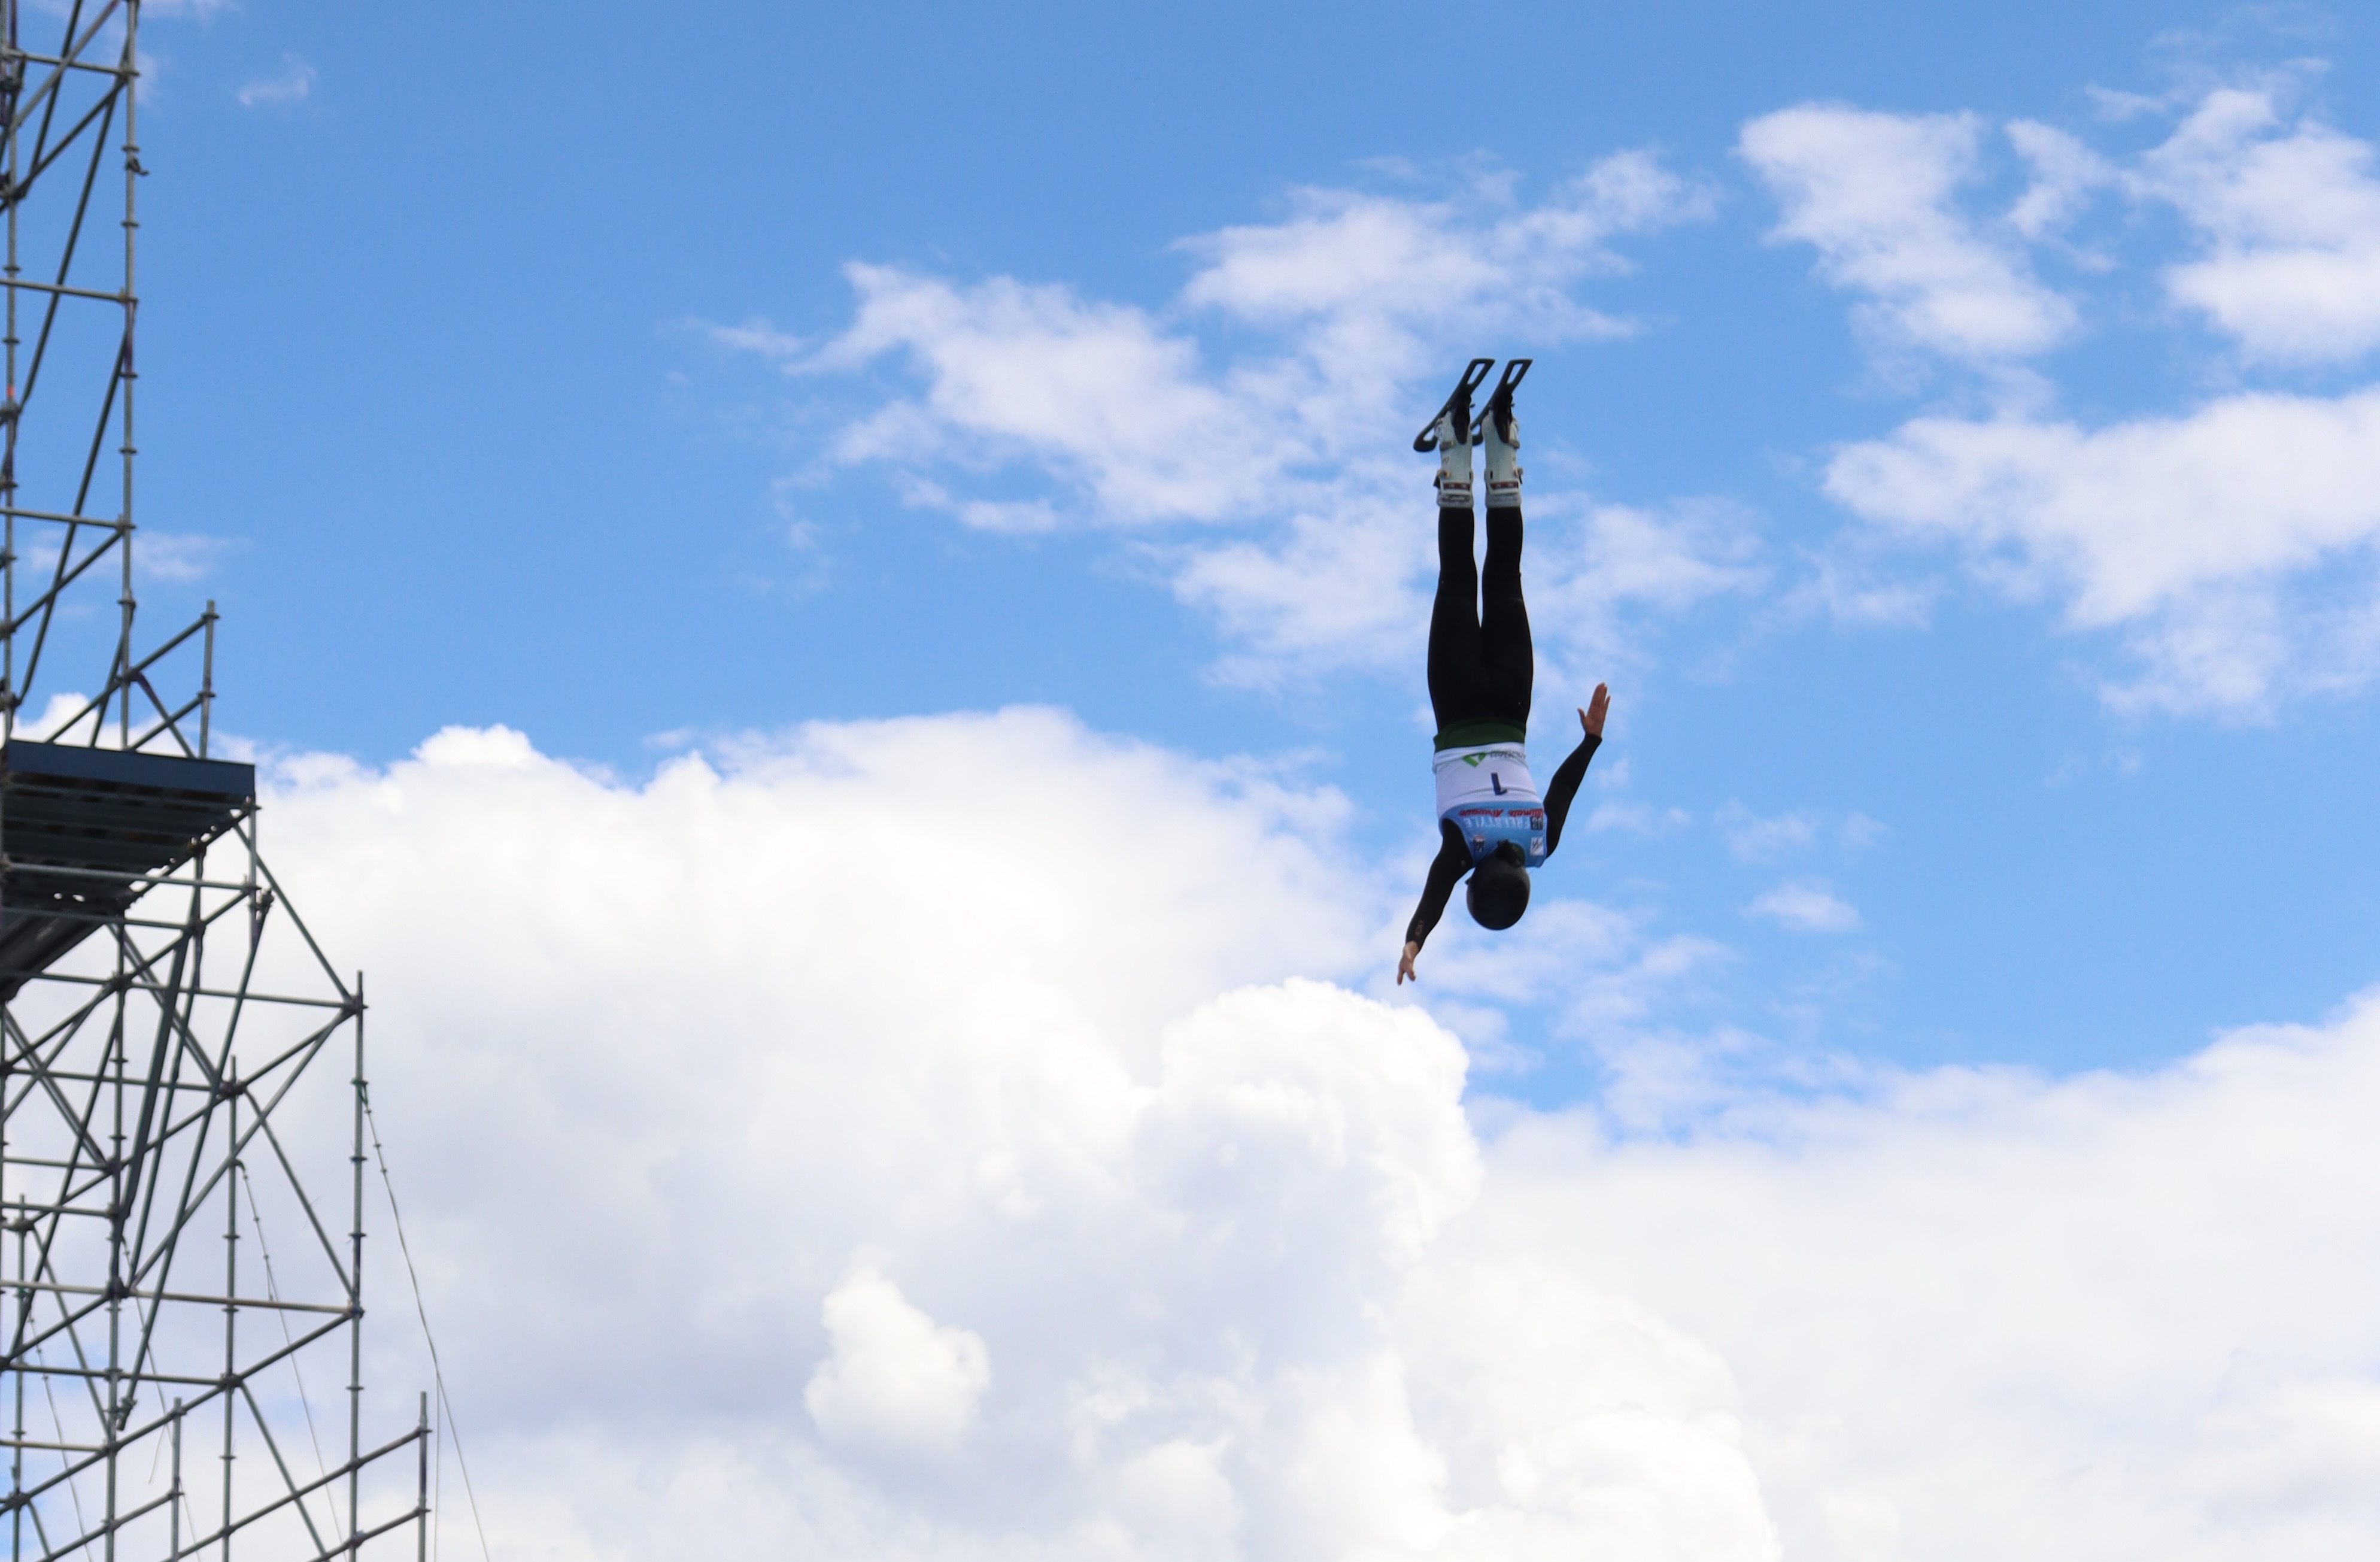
<point x="159" y="1025"/>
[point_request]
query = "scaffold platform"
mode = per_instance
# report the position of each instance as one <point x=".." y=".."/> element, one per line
<point x="83" y="831"/>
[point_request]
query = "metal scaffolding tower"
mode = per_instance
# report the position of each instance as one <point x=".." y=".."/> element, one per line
<point x="174" y="1287"/>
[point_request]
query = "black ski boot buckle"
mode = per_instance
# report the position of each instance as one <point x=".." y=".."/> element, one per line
<point x="1457" y="405"/>
<point x="1500" y="400"/>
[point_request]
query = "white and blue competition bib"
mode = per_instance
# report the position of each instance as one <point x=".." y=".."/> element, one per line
<point x="1491" y="798"/>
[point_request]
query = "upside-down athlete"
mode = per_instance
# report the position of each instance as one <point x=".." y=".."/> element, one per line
<point x="1493" y="824"/>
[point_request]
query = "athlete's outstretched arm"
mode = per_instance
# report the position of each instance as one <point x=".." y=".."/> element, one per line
<point x="1564" y="785"/>
<point x="1446" y="870"/>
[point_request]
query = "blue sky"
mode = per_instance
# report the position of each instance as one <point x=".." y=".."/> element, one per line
<point x="432" y="348"/>
<point x="1952" y="436"/>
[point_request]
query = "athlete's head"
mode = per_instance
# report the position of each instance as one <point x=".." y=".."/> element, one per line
<point x="1499" y="891"/>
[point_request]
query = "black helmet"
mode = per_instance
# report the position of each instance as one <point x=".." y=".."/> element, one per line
<point x="1499" y="891"/>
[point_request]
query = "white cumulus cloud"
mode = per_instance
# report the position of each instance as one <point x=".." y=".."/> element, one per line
<point x="1984" y="1315"/>
<point x="2290" y="215"/>
<point x="2183" y="532"/>
<point x="1874" y="194"/>
<point x="895" y="1376"/>
<point x="1372" y="283"/>
<point x="805" y="1157"/>
<point x="1102" y="393"/>
<point x="1124" y="406"/>
<point x="1259" y="400"/>
<point x="2227" y="545"/>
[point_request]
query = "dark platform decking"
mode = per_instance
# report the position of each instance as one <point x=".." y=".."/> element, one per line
<point x="80" y="828"/>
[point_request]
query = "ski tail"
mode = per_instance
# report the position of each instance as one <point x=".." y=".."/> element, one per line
<point x="1458" y="404"/>
<point x="1500" y="400"/>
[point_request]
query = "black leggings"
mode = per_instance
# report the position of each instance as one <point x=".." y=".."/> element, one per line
<point x="1481" y="665"/>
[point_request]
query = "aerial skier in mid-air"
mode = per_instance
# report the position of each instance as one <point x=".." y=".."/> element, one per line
<point x="1492" y="822"/>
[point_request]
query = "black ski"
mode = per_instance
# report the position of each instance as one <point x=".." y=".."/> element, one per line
<point x="1500" y="400"/>
<point x="1458" y="404"/>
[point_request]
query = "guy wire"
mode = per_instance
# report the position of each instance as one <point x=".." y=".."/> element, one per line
<point x="437" y="1372"/>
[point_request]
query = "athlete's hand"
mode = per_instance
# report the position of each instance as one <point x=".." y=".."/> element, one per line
<point x="1596" y="709"/>
<point x="1404" y="966"/>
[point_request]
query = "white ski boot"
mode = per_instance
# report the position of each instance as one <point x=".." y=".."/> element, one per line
<point x="1450" y="433"/>
<point x="1454" y="462"/>
<point x="1500" y="430"/>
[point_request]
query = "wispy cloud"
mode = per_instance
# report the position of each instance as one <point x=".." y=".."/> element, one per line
<point x="2229" y="546"/>
<point x="1874" y="194"/>
<point x="755" y="335"/>
<point x="1259" y="402"/>
<point x="2066" y="173"/>
<point x="1641" y="819"/>
<point x="1122" y="404"/>
<point x="1104" y="397"/>
<point x="2290" y="214"/>
<point x="1754" y="838"/>
<point x="2183" y="532"/>
<point x="180" y="557"/>
<point x="294" y="84"/>
<point x="1805" y="906"/>
<point x="1246" y="432"/>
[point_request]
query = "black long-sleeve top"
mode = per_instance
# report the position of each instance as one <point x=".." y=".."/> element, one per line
<point x="1454" y="858"/>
